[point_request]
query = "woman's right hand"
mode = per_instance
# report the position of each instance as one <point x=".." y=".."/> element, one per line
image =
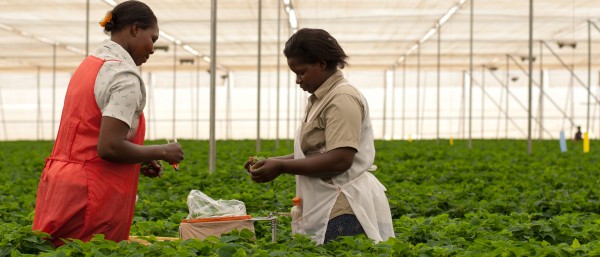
<point x="173" y="153"/>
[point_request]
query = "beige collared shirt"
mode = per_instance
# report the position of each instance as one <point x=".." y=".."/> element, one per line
<point x="333" y="119"/>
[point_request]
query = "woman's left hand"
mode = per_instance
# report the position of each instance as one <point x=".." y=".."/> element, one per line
<point x="152" y="169"/>
<point x="266" y="170"/>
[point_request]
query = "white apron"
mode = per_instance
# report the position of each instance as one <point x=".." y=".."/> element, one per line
<point x="364" y="192"/>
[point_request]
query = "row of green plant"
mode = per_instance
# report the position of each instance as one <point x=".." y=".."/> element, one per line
<point x="491" y="200"/>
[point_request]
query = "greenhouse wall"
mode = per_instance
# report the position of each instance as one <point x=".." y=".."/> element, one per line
<point x="401" y="107"/>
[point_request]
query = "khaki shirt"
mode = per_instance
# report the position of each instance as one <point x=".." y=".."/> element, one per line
<point x="336" y="112"/>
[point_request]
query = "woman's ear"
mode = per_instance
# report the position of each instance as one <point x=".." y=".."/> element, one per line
<point x="134" y="29"/>
<point x="323" y="65"/>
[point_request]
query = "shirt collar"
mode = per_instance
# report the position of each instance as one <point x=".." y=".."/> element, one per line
<point x="328" y="84"/>
<point x="117" y="51"/>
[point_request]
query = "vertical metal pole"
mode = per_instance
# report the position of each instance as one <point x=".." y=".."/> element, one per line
<point x="439" y="42"/>
<point x="258" y="146"/>
<point x="2" y="113"/>
<point x="572" y="100"/>
<point x="268" y="102"/>
<point x="403" y="96"/>
<point x="385" y="85"/>
<point x="471" y="74"/>
<point x="393" y="102"/>
<point x="192" y="110"/>
<point x="148" y="111"/>
<point x="289" y="110"/>
<point x="482" y="101"/>
<point x="541" y="97"/>
<point x="296" y="107"/>
<point x="197" y="121"/>
<point x="212" y="162"/>
<point x="53" y="90"/>
<point x="418" y="88"/>
<point x="87" y="28"/>
<point x="499" y="108"/>
<point x="529" y="143"/>
<point x="507" y="92"/>
<point x="228" y="112"/>
<point x="149" y="118"/>
<point x="463" y="104"/>
<point x="39" y="105"/>
<point x="278" y="72"/>
<point x="174" y="118"/>
<point x="589" y="82"/>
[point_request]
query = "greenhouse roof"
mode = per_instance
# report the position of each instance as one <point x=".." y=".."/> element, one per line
<point x="376" y="34"/>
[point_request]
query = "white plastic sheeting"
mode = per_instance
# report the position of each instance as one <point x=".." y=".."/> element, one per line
<point x="375" y="33"/>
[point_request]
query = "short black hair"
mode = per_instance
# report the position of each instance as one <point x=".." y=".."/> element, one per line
<point x="314" y="45"/>
<point x="129" y="13"/>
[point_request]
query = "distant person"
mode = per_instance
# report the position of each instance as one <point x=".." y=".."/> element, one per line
<point x="333" y="149"/>
<point x="89" y="183"/>
<point x="578" y="134"/>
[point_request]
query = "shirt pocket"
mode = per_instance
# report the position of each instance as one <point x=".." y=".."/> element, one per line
<point x="313" y="136"/>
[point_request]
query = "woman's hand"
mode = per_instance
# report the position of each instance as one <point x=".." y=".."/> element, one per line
<point x="252" y="160"/>
<point x="173" y="153"/>
<point x="152" y="169"/>
<point x="266" y="170"/>
<point x="249" y="163"/>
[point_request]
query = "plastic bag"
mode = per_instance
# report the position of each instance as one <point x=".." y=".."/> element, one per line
<point x="202" y="206"/>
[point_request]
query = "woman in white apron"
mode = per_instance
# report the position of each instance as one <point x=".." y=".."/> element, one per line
<point x="333" y="148"/>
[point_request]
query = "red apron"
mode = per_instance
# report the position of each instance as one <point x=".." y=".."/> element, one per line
<point x="79" y="194"/>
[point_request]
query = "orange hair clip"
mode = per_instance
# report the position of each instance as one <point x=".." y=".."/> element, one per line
<point x="107" y="19"/>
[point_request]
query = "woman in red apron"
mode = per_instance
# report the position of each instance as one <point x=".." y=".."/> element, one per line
<point x="89" y="183"/>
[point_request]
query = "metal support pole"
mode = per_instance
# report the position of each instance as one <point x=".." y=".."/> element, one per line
<point x="530" y="82"/>
<point x="516" y="99"/>
<point x="482" y="102"/>
<point x="541" y="97"/>
<point x="404" y="96"/>
<point x="278" y="72"/>
<point x="496" y="104"/>
<point x="296" y="108"/>
<point x="439" y="42"/>
<point x="463" y="107"/>
<point x="571" y="69"/>
<point x="87" y="28"/>
<point x="53" y="90"/>
<point x="3" y="117"/>
<point x="507" y="92"/>
<point x="385" y="86"/>
<point x="150" y="119"/>
<point x="289" y="110"/>
<point x="499" y="112"/>
<point x="572" y="93"/>
<point x="418" y="88"/>
<point x="258" y="66"/>
<point x="39" y="105"/>
<point x="589" y="82"/>
<point x="197" y="121"/>
<point x="471" y="73"/>
<point x="393" y="102"/>
<point x="545" y="94"/>
<point x="228" y="112"/>
<point x="212" y="158"/>
<point x="192" y="109"/>
<point x="174" y="117"/>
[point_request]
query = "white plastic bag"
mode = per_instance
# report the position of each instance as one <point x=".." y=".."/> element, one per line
<point x="202" y="206"/>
